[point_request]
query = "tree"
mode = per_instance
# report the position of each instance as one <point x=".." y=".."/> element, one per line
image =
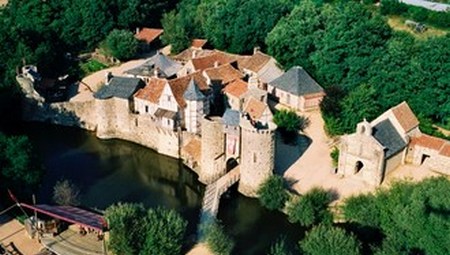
<point x="272" y="193"/>
<point x="19" y="169"/>
<point x="66" y="193"/>
<point x="165" y="232"/>
<point x="216" y="239"/>
<point x="175" y="33"/>
<point x="412" y="216"/>
<point x="289" y="124"/>
<point x="121" y="44"/>
<point x="289" y="121"/>
<point x="135" y="230"/>
<point x="324" y="239"/>
<point x="127" y="228"/>
<point x="228" y="23"/>
<point x="294" y="38"/>
<point x="311" y="208"/>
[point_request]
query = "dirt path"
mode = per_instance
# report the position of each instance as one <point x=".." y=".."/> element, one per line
<point x="13" y="231"/>
<point x="200" y="249"/>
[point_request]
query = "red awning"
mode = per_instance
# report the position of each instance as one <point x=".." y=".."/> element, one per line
<point x="71" y="214"/>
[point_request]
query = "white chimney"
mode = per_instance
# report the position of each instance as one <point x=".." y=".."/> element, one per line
<point x="156" y="72"/>
<point x="216" y="64"/>
<point x="256" y="49"/>
<point x="138" y="30"/>
<point x="194" y="53"/>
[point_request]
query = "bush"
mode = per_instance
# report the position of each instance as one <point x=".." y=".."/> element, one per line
<point x="335" y="156"/>
<point x="279" y="248"/>
<point x="272" y="194"/>
<point x="311" y="208"/>
<point x="121" y="44"/>
<point x="92" y="66"/>
<point x="329" y="240"/>
<point x="289" y="124"/>
<point x="215" y="238"/>
<point x="66" y="193"/>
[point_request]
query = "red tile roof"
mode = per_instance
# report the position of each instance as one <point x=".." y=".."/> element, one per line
<point x="209" y="61"/>
<point x="255" y="62"/>
<point x="179" y="86"/>
<point x="198" y="43"/>
<point x="255" y="108"/>
<point x="236" y="88"/>
<point x="148" y="34"/>
<point x="405" y="116"/>
<point x="432" y="143"/>
<point x="224" y="73"/>
<point x="152" y="90"/>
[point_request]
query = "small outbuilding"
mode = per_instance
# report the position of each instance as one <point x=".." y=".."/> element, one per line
<point x="297" y="89"/>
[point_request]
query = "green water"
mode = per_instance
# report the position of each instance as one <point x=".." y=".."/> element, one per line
<point x="109" y="171"/>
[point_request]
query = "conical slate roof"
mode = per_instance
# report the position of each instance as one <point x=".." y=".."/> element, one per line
<point x="166" y="66"/>
<point x="192" y="92"/>
<point x="297" y="81"/>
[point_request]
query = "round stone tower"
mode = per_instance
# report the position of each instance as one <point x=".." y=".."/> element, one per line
<point x="257" y="156"/>
<point x="213" y="150"/>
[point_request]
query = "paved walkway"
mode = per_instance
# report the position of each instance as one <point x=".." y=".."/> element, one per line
<point x="70" y="242"/>
<point x="13" y="231"/>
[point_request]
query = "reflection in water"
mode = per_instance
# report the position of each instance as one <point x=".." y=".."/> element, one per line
<point x="111" y="171"/>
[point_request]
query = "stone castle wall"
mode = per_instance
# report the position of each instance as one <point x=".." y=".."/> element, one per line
<point x="109" y="119"/>
<point x="257" y="158"/>
<point x="213" y="150"/>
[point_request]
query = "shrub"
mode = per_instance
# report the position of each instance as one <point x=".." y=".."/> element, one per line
<point x="272" y="194"/>
<point x="329" y="240"/>
<point x="311" y="208"/>
<point x="335" y="156"/>
<point x="66" y="193"/>
<point x="279" y="248"/>
<point x="216" y="239"/>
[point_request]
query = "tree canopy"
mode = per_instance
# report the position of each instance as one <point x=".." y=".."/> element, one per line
<point x="121" y="44"/>
<point x="412" y="217"/>
<point x="311" y="208"/>
<point x="272" y="193"/>
<point x="19" y="168"/>
<point x="135" y="230"/>
<point x="324" y="239"/>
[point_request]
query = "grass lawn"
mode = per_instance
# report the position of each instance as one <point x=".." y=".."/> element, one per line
<point x="398" y="23"/>
<point x="92" y="66"/>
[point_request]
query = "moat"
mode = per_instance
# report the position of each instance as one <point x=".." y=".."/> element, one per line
<point x="109" y="171"/>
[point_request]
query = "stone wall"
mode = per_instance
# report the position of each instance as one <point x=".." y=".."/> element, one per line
<point x="393" y="162"/>
<point x="367" y="151"/>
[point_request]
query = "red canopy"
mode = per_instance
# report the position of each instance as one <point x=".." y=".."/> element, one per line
<point x="71" y="214"/>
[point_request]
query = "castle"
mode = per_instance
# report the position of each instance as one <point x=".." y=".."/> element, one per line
<point x="392" y="139"/>
<point x="169" y="105"/>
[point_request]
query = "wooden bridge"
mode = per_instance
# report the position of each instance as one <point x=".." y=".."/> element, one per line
<point x="214" y="191"/>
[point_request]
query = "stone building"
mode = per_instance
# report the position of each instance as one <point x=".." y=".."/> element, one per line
<point x="392" y="139"/>
<point x="157" y="66"/>
<point x="180" y="102"/>
<point x="297" y="89"/>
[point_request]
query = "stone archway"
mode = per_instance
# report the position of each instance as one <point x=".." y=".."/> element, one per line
<point x="358" y="167"/>
<point x="231" y="164"/>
